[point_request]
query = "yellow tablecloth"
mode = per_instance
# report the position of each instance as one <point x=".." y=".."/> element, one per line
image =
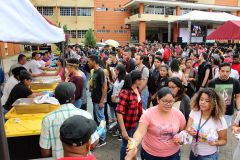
<point x="25" y="126"/>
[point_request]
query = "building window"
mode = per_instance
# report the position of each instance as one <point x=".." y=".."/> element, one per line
<point x="102" y="9"/>
<point x="84" y="11"/>
<point x="103" y="31"/>
<point x="153" y="10"/>
<point x="170" y="11"/>
<point x="67" y="11"/>
<point x="81" y="33"/>
<point x="45" y="11"/>
<point x="121" y="31"/>
<point x="72" y="33"/>
<point x="120" y="10"/>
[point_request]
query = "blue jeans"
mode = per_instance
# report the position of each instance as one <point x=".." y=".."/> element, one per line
<point x="208" y="157"/>
<point x="77" y="103"/>
<point x="147" y="156"/>
<point x="98" y="114"/>
<point x="145" y="95"/>
<point x="228" y="119"/>
<point x="124" y="144"/>
<point x="88" y="75"/>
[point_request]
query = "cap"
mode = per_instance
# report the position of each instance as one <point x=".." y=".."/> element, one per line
<point x="24" y="74"/>
<point x="77" y="130"/>
<point x="64" y="92"/>
<point x="16" y="71"/>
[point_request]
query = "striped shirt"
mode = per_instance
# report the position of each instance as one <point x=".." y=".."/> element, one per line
<point x="50" y="132"/>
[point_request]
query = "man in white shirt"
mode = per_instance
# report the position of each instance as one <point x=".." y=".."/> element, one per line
<point x="22" y="60"/>
<point x="35" y="66"/>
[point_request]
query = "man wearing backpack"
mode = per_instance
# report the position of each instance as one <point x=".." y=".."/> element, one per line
<point x="229" y="88"/>
<point x="145" y="74"/>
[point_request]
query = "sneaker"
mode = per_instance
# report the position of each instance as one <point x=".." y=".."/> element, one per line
<point x="120" y="138"/>
<point x="101" y="143"/>
<point x="116" y="133"/>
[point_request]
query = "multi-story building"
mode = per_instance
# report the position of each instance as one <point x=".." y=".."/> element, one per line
<point x="77" y="15"/>
<point x="149" y="18"/>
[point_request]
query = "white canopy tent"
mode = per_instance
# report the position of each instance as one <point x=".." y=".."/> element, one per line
<point x="201" y="17"/>
<point x="22" y="23"/>
<point x="216" y="17"/>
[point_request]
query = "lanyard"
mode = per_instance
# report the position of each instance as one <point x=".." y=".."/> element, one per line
<point x="200" y="126"/>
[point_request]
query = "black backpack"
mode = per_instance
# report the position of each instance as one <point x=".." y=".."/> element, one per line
<point x="152" y="88"/>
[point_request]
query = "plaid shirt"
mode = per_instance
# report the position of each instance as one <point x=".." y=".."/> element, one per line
<point x="129" y="107"/>
<point x="50" y="132"/>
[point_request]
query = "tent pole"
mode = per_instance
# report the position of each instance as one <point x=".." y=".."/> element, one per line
<point x="63" y="57"/>
<point x="4" y="154"/>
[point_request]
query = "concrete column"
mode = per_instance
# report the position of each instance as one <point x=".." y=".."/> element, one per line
<point x="141" y="8"/>
<point x="10" y="49"/>
<point x="238" y="13"/>
<point x="142" y="32"/>
<point x="2" y="47"/>
<point x="178" y="11"/>
<point x="175" y="32"/>
<point x="169" y="32"/>
<point x="16" y="48"/>
<point x="176" y="26"/>
<point x="210" y="26"/>
<point x="189" y="31"/>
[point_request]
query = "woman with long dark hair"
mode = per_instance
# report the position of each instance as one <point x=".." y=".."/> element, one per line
<point x="151" y="61"/>
<point x="110" y="80"/>
<point x="182" y="101"/>
<point x="129" y="108"/>
<point x="120" y="72"/>
<point x="175" y="71"/>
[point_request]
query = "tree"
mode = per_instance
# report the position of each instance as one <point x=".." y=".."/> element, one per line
<point x="90" y="39"/>
<point x="65" y="30"/>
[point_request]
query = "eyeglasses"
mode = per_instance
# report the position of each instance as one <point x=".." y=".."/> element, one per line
<point x="167" y="102"/>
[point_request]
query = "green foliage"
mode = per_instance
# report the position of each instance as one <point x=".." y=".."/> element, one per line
<point x="90" y="39"/>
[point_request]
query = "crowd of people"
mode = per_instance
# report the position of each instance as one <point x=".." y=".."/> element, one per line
<point x="154" y="94"/>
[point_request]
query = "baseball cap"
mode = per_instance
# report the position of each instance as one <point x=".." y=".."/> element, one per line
<point x="64" y="92"/>
<point x="77" y="130"/>
<point x="24" y="74"/>
<point x="16" y="71"/>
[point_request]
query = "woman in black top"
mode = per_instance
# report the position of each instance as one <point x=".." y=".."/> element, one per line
<point x="162" y="81"/>
<point x="182" y="101"/>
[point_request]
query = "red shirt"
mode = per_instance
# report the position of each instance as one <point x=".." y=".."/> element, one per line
<point x="90" y="157"/>
<point x="166" y="55"/>
<point x="129" y="107"/>
<point x="236" y="67"/>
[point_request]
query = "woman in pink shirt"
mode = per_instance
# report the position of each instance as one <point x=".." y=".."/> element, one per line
<point x="157" y="129"/>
